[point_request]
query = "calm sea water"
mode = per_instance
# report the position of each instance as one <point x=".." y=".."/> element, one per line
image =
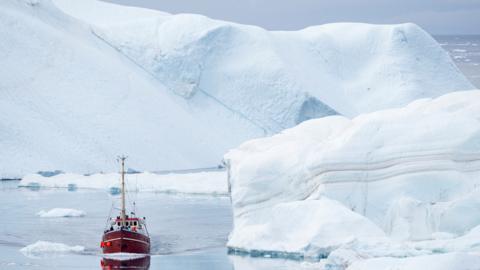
<point x="187" y="232"/>
<point x="465" y="52"/>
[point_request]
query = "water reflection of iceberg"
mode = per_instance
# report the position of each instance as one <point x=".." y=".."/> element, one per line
<point x="125" y="263"/>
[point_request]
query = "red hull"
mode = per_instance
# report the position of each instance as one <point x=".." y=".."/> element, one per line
<point x="125" y="242"/>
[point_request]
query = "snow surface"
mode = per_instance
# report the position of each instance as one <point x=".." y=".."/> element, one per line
<point x="178" y="91"/>
<point x="209" y="183"/>
<point x="411" y="174"/>
<point x="69" y="101"/>
<point x="45" y="248"/>
<point x="279" y="78"/>
<point x="61" y="212"/>
<point x="327" y="224"/>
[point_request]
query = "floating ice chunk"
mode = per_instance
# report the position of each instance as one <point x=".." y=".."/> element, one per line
<point x="61" y="212"/>
<point x="50" y="173"/>
<point x="47" y="249"/>
<point x="209" y="183"/>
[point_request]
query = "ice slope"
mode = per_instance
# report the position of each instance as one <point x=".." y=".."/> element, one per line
<point x="69" y="101"/>
<point x="177" y="91"/>
<point x="414" y="172"/>
<point x="277" y="78"/>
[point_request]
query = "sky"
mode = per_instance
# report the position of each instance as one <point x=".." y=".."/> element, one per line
<point x="435" y="16"/>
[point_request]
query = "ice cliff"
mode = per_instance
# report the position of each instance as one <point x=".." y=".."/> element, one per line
<point x="83" y="81"/>
<point x="71" y="102"/>
<point x="278" y="78"/>
<point x="391" y="177"/>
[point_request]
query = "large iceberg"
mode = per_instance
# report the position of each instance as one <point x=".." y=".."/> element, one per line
<point x="84" y="81"/>
<point x="278" y="78"/>
<point x="394" y="176"/>
<point x="70" y="101"/>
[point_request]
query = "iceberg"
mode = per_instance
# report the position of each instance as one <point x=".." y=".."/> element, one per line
<point x="87" y="80"/>
<point x="71" y="102"/>
<point x="278" y="78"/>
<point x="395" y="176"/>
<point x="49" y="249"/>
<point x="308" y="229"/>
<point x="61" y="212"/>
<point x="201" y="183"/>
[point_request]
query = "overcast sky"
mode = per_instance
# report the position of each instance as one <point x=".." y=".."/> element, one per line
<point x="436" y="16"/>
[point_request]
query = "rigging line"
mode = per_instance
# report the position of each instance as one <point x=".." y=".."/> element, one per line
<point x="109" y="216"/>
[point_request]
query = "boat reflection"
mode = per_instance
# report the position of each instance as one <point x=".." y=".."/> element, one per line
<point x="125" y="263"/>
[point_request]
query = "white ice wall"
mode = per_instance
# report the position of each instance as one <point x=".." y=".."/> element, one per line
<point x="278" y="78"/>
<point x="69" y="101"/>
<point x="178" y="91"/>
<point x="413" y="171"/>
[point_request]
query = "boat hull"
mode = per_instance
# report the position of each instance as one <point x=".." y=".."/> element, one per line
<point x="123" y="241"/>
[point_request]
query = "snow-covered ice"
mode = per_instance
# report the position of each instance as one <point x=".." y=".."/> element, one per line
<point x="45" y="248"/>
<point x="286" y="227"/>
<point x="209" y="183"/>
<point x="73" y="103"/>
<point x="178" y="91"/>
<point x="413" y="173"/>
<point x="61" y="212"/>
<point x="279" y="78"/>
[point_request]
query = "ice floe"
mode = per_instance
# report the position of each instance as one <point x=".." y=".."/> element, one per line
<point x="210" y="183"/>
<point x="61" y="212"/>
<point x="45" y="248"/>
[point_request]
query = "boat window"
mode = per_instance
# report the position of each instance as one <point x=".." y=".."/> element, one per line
<point x="118" y="223"/>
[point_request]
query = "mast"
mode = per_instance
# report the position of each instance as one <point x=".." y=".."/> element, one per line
<point x="123" y="213"/>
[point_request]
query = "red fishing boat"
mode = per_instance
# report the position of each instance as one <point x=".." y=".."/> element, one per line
<point x="125" y="234"/>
